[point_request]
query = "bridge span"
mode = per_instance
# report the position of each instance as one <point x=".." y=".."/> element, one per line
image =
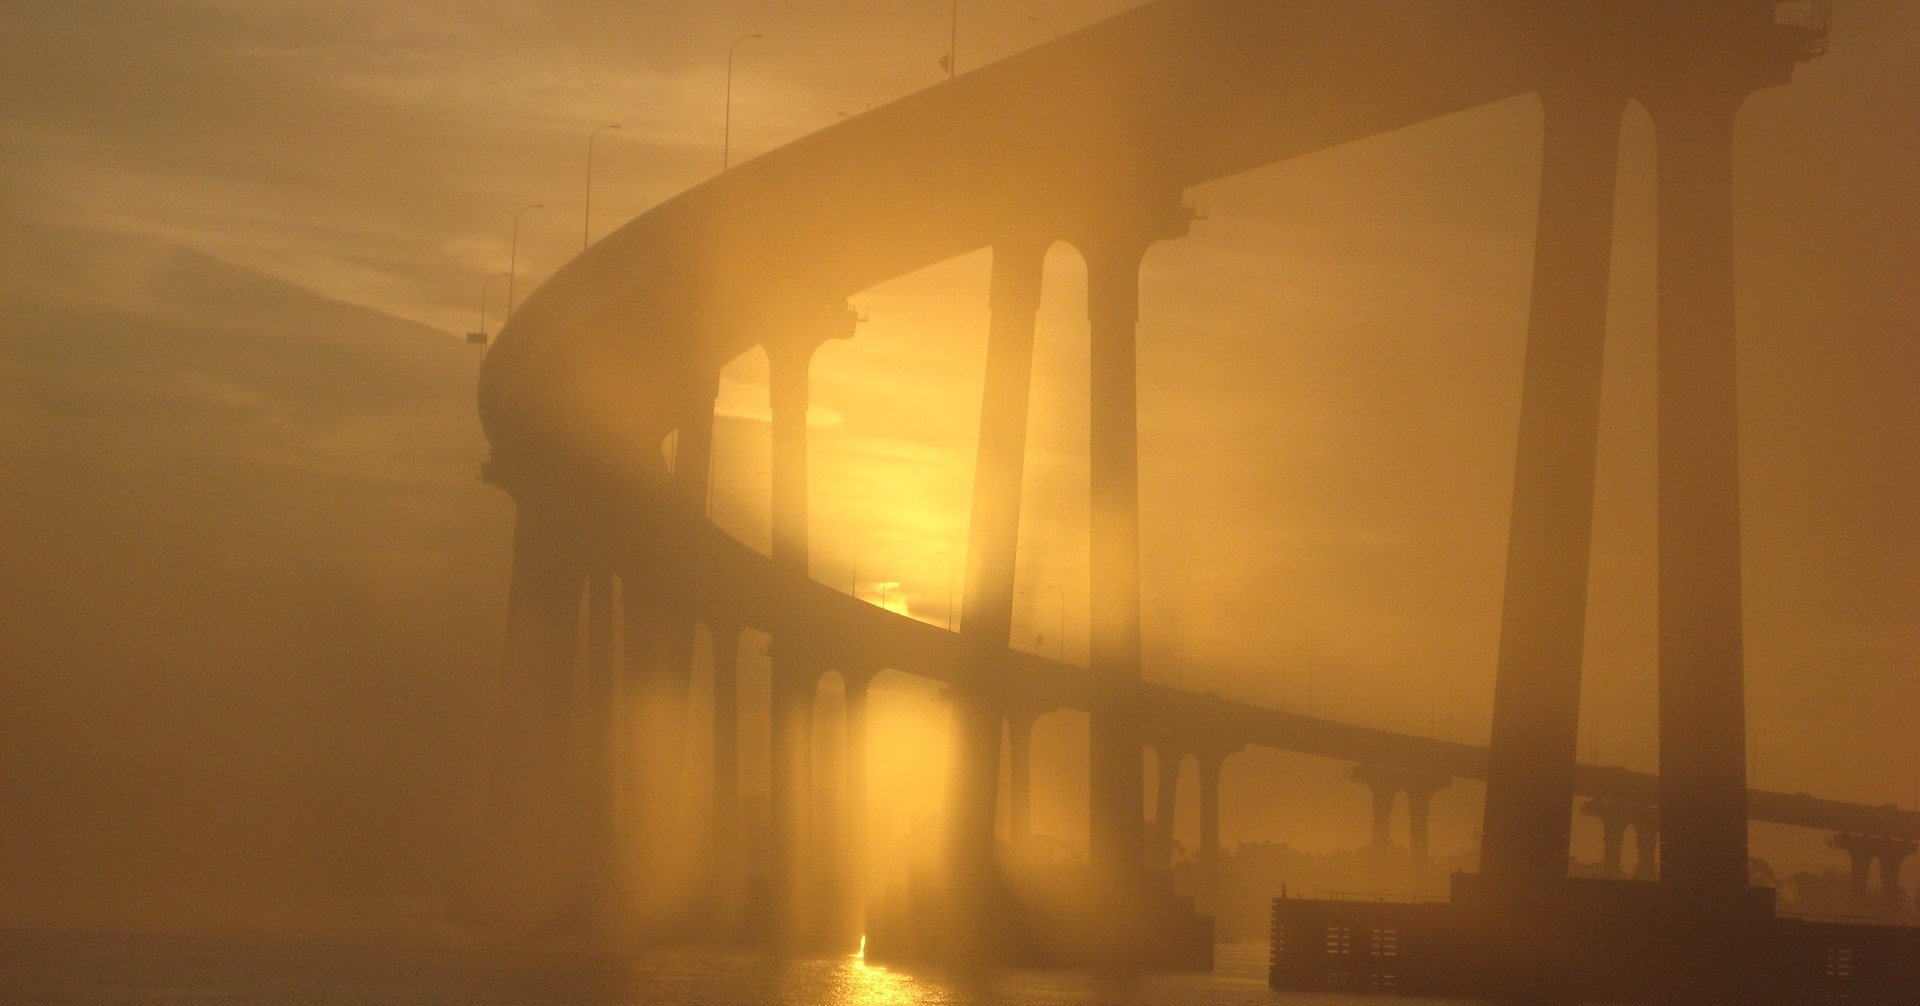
<point x="733" y="587"/>
<point x="1092" y="140"/>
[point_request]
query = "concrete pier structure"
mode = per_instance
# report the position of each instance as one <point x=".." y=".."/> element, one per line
<point x="1020" y="777"/>
<point x="1865" y="854"/>
<point x="1116" y="847"/>
<point x="1207" y="857"/>
<point x="986" y="622"/>
<point x="1093" y="139"/>
<point x="1616" y="818"/>
<point x="1536" y="699"/>
<point x="1387" y="784"/>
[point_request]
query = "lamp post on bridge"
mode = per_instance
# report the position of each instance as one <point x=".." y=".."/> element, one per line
<point x="479" y="337"/>
<point x="951" y="62"/>
<point x="859" y="542"/>
<point x="586" y="213"/>
<point x="513" y="254"/>
<point x="726" y="130"/>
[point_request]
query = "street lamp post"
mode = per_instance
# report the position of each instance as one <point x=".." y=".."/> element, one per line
<point x="853" y="559"/>
<point x="479" y="338"/>
<point x="726" y="130"/>
<point x="513" y="255"/>
<point x="586" y="215"/>
<point x="953" y="42"/>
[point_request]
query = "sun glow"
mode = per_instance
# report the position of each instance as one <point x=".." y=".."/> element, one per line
<point x="863" y="984"/>
<point x="888" y="594"/>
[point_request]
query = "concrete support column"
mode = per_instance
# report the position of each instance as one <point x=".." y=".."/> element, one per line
<point x="1116" y="845"/>
<point x="1207" y="857"/>
<point x="1387" y="782"/>
<point x="790" y="798"/>
<point x="856" y="803"/>
<point x="671" y="682"/>
<point x="789" y="396"/>
<point x="531" y="834"/>
<point x="1419" y="818"/>
<point x="792" y="679"/>
<point x="1165" y="792"/>
<point x="650" y="703"/>
<point x="692" y="461"/>
<point x="1615" y="818"/>
<point x="608" y="772"/>
<point x="1613" y="836"/>
<point x="1703" y="770"/>
<point x="992" y="540"/>
<point x="1892" y="855"/>
<point x="1020" y="779"/>
<point x="1383" y="797"/>
<point x="1536" y="710"/>
<point x="1862" y="873"/>
<point x="728" y="859"/>
<point x="1860" y="850"/>
<point x="1646" y="839"/>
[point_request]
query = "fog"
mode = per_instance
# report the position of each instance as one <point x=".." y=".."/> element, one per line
<point x="252" y="591"/>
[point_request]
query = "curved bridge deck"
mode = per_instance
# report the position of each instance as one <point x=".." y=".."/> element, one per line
<point x="1092" y="139"/>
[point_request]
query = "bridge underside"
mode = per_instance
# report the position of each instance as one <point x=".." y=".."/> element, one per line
<point x="1092" y="140"/>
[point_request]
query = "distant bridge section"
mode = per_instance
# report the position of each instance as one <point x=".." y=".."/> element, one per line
<point x="847" y="632"/>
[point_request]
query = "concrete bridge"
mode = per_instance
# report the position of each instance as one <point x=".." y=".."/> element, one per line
<point x="1092" y="140"/>
<point x="725" y="585"/>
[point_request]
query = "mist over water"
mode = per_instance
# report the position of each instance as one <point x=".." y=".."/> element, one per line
<point x="77" y="968"/>
<point x="1052" y="498"/>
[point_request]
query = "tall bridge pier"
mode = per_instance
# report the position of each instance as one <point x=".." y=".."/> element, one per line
<point x="1388" y="784"/>
<point x="1093" y="138"/>
<point x="1700" y="68"/>
<point x="1113" y="246"/>
<point x="1616" y="817"/>
<point x="1864" y="853"/>
<point x="982" y="679"/>
<point x="1521" y="926"/>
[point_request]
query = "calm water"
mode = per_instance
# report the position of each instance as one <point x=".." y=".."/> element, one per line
<point x="93" y="969"/>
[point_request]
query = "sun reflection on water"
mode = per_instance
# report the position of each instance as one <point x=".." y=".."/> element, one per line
<point x="863" y="984"/>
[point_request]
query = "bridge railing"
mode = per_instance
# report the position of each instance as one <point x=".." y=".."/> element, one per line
<point x="1846" y="918"/>
<point x="1379" y="896"/>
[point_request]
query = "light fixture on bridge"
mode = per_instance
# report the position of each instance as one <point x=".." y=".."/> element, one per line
<point x="479" y="337"/>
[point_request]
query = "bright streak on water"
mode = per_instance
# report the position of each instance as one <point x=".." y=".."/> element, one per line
<point x="85" y="969"/>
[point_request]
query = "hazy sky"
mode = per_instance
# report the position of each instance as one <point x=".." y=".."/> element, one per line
<point x="249" y="588"/>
